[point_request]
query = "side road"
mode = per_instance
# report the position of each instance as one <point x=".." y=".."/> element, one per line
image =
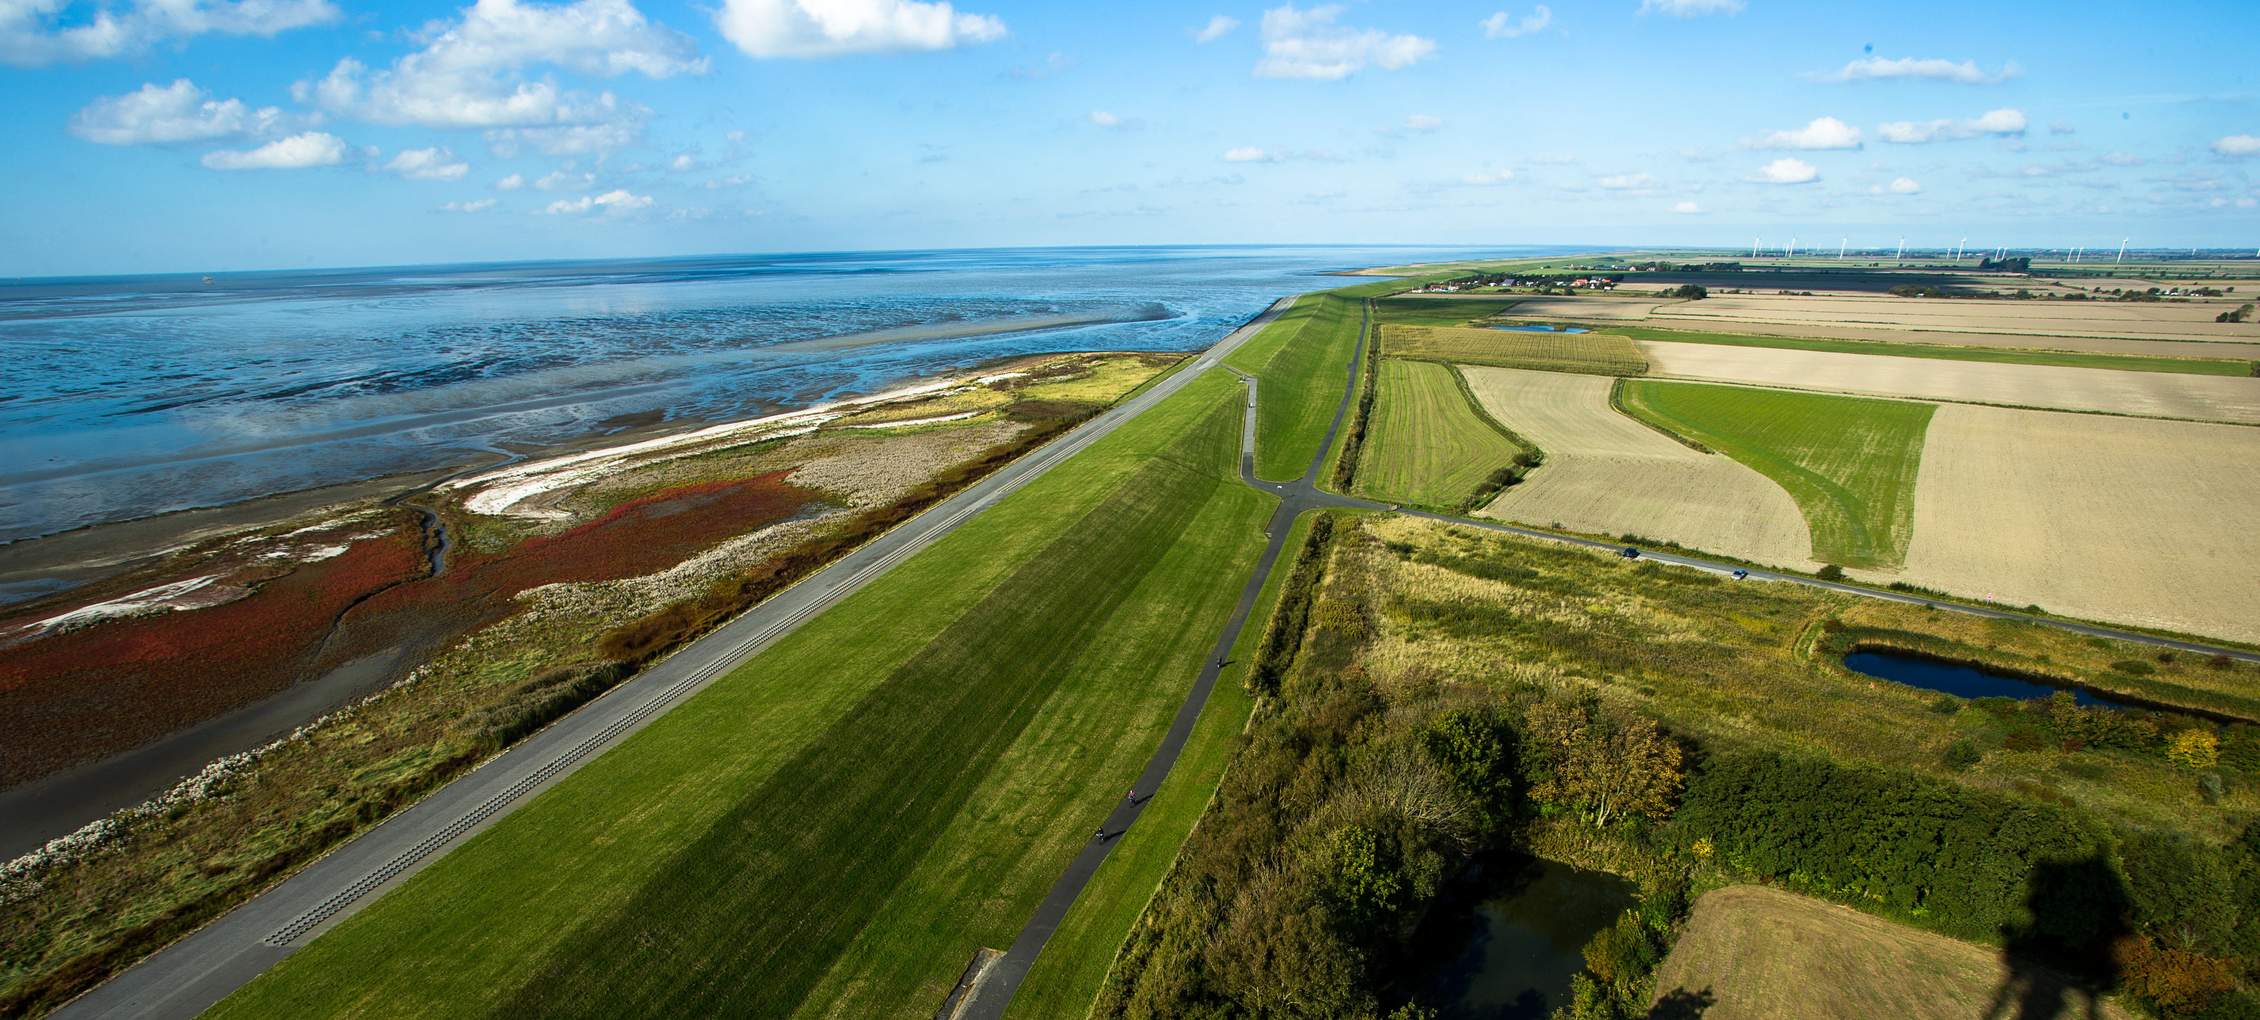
<point x="189" y="976"/>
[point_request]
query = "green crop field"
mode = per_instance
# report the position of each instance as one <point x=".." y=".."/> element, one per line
<point x="1429" y="445"/>
<point x="1947" y="351"/>
<point x="1586" y="353"/>
<point x="1303" y="361"/>
<point x="835" y="827"/>
<point x="1850" y="462"/>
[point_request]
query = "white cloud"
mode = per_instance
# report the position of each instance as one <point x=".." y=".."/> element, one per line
<point x="1247" y="154"/>
<point x="1822" y="133"/>
<point x="33" y="32"/>
<point x="1500" y="26"/>
<point x="1625" y="182"/>
<point x="1898" y="186"/>
<point x="1999" y="123"/>
<point x="2238" y="145"/>
<point x="1309" y="44"/>
<point x="511" y="183"/>
<point x="2122" y="159"/>
<point x="1104" y="119"/>
<point x="1691" y="8"/>
<point x="616" y="200"/>
<point x="1503" y="175"/>
<point x="1423" y="122"/>
<point x="312" y="148"/>
<point x="557" y="180"/>
<point x="1966" y="72"/>
<point x="732" y="181"/>
<point x="428" y="165"/>
<point x="1218" y="27"/>
<point x="683" y="162"/>
<point x="830" y="28"/>
<point x="568" y="139"/>
<point x="1685" y="208"/>
<point x="180" y="112"/>
<point x="1788" y="170"/>
<point x="468" y="73"/>
<point x="475" y="205"/>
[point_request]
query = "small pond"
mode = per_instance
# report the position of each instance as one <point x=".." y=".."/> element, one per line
<point x="1960" y="680"/>
<point x="1540" y="327"/>
<point x="1516" y="955"/>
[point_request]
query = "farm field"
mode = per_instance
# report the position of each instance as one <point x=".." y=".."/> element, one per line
<point x="1850" y="463"/>
<point x="1301" y="359"/>
<point x="1428" y="445"/>
<point x="2149" y="522"/>
<point x="2239" y="349"/>
<point x="1598" y="307"/>
<point x="1591" y="353"/>
<point x="1764" y="954"/>
<point x="1436" y="309"/>
<point x="838" y="824"/>
<point x="1954" y="351"/>
<point x="1608" y="474"/>
<point x="2152" y="394"/>
<point x="2148" y="320"/>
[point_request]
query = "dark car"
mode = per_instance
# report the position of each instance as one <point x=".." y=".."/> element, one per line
<point x="1741" y="575"/>
<point x="1629" y="553"/>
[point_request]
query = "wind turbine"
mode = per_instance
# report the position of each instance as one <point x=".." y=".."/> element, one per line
<point x="1754" y="246"/>
<point x="1840" y="243"/>
<point x="1902" y="256"/>
<point x="2123" y="252"/>
<point x="1958" y="248"/>
<point x="1791" y="251"/>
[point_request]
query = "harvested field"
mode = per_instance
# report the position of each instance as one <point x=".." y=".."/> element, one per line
<point x="1606" y="473"/>
<point x="1849" y="462"/>
<point x="1428" y="447"/>
<point x="2149" y="362"/>
<point x="1601" y="309"/>
<point x="2153" y="394"/>
<point x="2152" y="320"/>
<point x="1591" y="353"/>
<point x="1762" y="954"/>
<point x="2249" y="348"/>
<point x="2136" y="521"/>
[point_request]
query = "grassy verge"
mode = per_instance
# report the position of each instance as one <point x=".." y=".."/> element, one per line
<point x="1067" y="977"/>
<point x="833" y="828"/>
<point x="1947" y="351"/>
<point x="1430" y="446"/>
<point x="1588" y="353"/>
<point x="1438" y="311"/>
<point x="1300" y="359"/>
<point x="1850" y="462"/>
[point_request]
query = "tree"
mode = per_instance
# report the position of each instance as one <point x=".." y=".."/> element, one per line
<point x="1606" y="763"/>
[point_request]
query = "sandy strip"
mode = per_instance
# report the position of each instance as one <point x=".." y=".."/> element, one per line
<point x="1607" y="474"/>
<point x="2154" y="523"/>
<point x="2159" y="394"/>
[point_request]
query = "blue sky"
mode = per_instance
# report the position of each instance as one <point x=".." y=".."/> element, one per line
<point x="162" y="135"/>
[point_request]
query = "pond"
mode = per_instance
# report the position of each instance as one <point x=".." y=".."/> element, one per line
<point x="1959" y="680"/>
<point x="1519" y="950"/>
<point x="1540" y="327"/>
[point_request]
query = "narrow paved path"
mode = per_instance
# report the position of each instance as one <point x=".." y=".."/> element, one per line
<point x="995" y="991"/>
<point x="187" y="977"/>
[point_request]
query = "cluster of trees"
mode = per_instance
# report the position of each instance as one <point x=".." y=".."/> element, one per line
<point x="2012" y="264"/>
<point x="2240" y="315"/>
<point x="1690" y="291"/>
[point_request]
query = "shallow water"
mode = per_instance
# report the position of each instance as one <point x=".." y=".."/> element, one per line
<point x="1959" y="680"/>
<point x="129" y="396"/>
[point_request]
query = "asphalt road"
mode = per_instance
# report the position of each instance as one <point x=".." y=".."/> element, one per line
<point x="189" y="976"/>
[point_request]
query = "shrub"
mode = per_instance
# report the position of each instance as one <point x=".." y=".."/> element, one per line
<point x="1831" y="572"/>
<point x="2134" y="667"/>
<point x="1961" y="755"/>
<point x="2194" y="748"/>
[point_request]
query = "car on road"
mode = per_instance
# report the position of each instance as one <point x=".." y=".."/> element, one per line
<point x="1741" y="575"/>
<point x="1628" y="552"/>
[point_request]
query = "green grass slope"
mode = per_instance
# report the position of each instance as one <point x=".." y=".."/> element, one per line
<point x="1302" y="359"/>
<point x="1850" y="462"/>
<point x="836" y="826"/>
<point x="1428" y="446"/>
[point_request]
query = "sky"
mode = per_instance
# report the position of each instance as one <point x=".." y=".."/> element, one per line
<point x="205" y="135"/>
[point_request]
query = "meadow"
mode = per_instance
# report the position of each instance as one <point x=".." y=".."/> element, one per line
<point x="1850" y="462"/>
<point x="1588" y="353"/>
<point x="835" y="827"/>
<point x="1301" y="360"/>
<point x="1428" y="444"/>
